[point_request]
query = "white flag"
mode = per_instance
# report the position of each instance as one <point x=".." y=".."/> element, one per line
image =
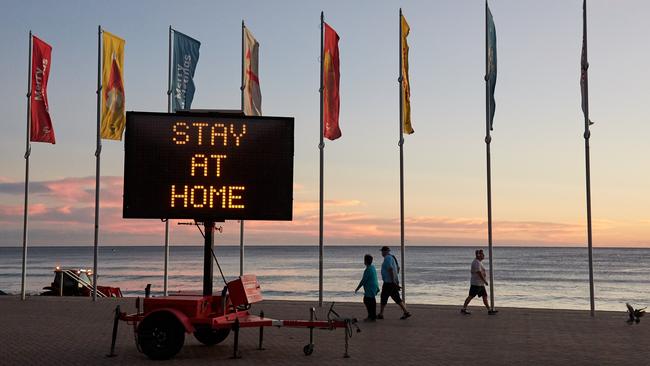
<point x="252" y="93"/>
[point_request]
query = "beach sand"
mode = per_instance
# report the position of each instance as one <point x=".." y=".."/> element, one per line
<point x="76" y="331"/>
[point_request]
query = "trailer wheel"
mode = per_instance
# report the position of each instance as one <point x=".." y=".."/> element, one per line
<point x="308" y="349"/>
<point x="210" y="337"/>
<point x="161" y="336"/>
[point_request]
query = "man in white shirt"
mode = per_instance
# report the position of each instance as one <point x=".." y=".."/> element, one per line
<point x="478" y="282"/>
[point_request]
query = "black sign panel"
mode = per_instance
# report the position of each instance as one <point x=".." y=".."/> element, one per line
<point x="208" y="166"/>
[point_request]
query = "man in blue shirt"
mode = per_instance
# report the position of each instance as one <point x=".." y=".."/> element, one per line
<point x="370" y="288"/>
<point x="391" y="287"/>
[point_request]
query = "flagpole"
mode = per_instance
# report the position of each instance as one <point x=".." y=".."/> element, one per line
<point x="321" y="147"/>
<point x="241" y="222"/>
<point x="169" y="110"/>
<point x="488" y="139"/>
<point x="587" y="135"/>
<point x="28" y="151"/>
<point x="98" y="152"/>
<point x="401" y="155"/>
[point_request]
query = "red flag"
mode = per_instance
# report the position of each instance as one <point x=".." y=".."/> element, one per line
<point x="41" y="126"/>
<point x="331" y="77"/>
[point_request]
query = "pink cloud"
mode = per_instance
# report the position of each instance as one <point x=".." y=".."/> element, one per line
<point x="62" y="211"/>
<point x="37" y="209"/>
<point x="66" y="210"/>
<point x="9" y="211"/>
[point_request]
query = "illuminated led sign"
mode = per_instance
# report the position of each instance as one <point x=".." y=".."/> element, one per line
<point x="208" y="166"/>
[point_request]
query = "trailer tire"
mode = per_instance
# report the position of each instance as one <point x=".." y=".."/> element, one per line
<point x="210" y="337"/>
<point x="161" y="336"/>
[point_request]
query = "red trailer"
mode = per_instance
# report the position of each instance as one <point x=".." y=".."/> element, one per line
<point x="164" y="153"/>
<point x="160" y="323"/>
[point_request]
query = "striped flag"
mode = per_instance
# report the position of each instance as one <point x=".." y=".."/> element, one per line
<point x="252" y="92"/>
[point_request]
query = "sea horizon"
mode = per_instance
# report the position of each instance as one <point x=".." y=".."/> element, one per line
<point x="527" y="277"/>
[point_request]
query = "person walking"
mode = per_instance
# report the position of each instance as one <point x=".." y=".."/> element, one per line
<point x="478" y="282"/>
<point x="390" y="287"/>
<point x="370" y="288"/>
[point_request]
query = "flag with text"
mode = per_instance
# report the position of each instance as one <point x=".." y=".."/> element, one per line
<point x="185" y="58"/>
<point x="41" y="124"/>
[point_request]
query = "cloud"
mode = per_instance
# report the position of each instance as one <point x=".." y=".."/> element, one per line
<point x="62" y="212"/>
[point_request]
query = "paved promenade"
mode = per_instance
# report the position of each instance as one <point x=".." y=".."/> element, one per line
<point x="75" y="331"/>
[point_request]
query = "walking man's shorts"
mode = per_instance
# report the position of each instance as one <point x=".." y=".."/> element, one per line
<point x="477" y="290"/>
<point x="389" y="289"/>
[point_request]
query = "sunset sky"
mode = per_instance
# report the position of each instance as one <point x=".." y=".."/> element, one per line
<point x="538" y="168"/>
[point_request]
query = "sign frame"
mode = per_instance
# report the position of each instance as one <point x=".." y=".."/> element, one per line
<point x="165" y="150"/>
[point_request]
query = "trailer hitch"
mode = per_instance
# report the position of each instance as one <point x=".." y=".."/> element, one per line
<point x="349" y="324"/>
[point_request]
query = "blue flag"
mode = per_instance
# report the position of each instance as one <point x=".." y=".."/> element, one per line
<point x="186" y="56"/>
<point x="584" y="67"/>
<point x="491" y="62"/>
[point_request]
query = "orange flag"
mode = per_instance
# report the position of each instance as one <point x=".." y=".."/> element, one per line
<point x="331" y="77"/>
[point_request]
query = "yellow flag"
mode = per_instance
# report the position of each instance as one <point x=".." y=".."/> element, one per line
<point x="406" y="85"/>
<point x="113" y="108"/>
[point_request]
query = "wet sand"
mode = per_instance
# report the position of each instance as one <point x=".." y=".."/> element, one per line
<point x="76" y="331"/>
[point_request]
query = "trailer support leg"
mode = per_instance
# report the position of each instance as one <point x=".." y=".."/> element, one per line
<point x="260" y="347"/>
<point x="235" y="327"/>
<point x="116" y="322"/>
<point x="309" y="348"/>
<point x="312" y="316"/>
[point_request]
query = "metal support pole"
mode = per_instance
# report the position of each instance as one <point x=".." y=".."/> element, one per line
<point x="169" y="110"/>
<point x="312" y="317"/>
<point x="166" y="264"/>
<point x="207" y="257"/>
<point x="241" y="222"/>
<point x="589" y="236"/>
<point x="241" y="248"/>
<point x="28" y="151"/>
<point x="401" y="157"/>
<point x="98" y="152"/>
<point x="321" y="147"/>
<point x="61" y="283"/>
<point x="488" y="140"/>
<point x="587" y="135"/>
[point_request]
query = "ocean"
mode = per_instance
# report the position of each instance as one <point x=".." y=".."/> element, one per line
<point x="530" y="277"/>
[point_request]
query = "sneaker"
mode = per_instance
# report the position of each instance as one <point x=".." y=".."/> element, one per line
<point x="406" y="315"/>
<point x="465" y="311"/>
<point x="492" y="312"/>
<point x="380" y="316"/>
<point x="369" y="320"/>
